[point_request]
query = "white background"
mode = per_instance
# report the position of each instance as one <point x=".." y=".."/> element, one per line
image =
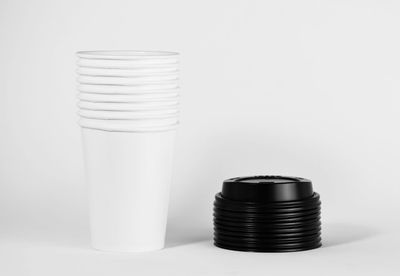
<point x="303" y="88"/>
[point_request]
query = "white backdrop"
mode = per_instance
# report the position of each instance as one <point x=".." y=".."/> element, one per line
<point x="302" y="88"/>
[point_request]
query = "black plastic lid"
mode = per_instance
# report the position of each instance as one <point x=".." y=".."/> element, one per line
<point x="267" y="188"/>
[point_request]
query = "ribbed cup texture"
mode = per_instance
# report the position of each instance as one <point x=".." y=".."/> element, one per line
<point x="129" y="91"/>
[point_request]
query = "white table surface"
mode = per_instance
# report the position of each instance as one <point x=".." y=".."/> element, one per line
<point x="349" y="249"/>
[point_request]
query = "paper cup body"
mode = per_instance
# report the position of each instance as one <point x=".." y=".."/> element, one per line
<point x="129" y="176"/>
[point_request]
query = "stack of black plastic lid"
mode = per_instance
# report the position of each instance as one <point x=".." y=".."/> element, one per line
<point x="267" y="214"/>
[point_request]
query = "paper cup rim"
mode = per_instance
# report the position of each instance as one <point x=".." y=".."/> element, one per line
<point x="126" y="54"/>
<point x="133" y="120"/>
<point x="133" y="129"/>
<point x="125" y="115"/>
<point x="127" y="90"/>
<point x="130" y="98"/>
<point x="87" y="105"/>
<point x="122" y="73"/>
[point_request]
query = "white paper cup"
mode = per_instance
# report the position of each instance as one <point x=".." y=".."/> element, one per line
<point x="110" y="72"/>
<point x="128" y="115"/>
<point x="134" y="89"/>
<point x="128" y="55"/>
<point x="123" y="98"/>
<point x="149" y="125"/>
<point x="126" y="64"/>
<point x="128" y="80"/>
<point x="128" y="106"/>
<point x="126" y="59"/>
<point x="129" y="176"/>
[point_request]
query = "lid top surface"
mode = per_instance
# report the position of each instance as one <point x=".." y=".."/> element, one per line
<point x="262" y="179"/>
<point x="267" y="188"/>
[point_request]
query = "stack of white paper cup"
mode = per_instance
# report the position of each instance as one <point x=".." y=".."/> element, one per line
<point x="128" y="107"/>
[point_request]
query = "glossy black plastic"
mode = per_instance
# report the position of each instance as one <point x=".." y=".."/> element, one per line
<point x="267" y="214"/>
<point x="242" y="206"/>
<point x="263" y="221"/>
<point x="249" y="248"/>
<point x="267" y="188"/>
<point x="265" y="226"/>
<point x="265" y="231"/>
<point x="262" y="216"/>
<point x="270" y="242"/>
<point x="267" y="247"/>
